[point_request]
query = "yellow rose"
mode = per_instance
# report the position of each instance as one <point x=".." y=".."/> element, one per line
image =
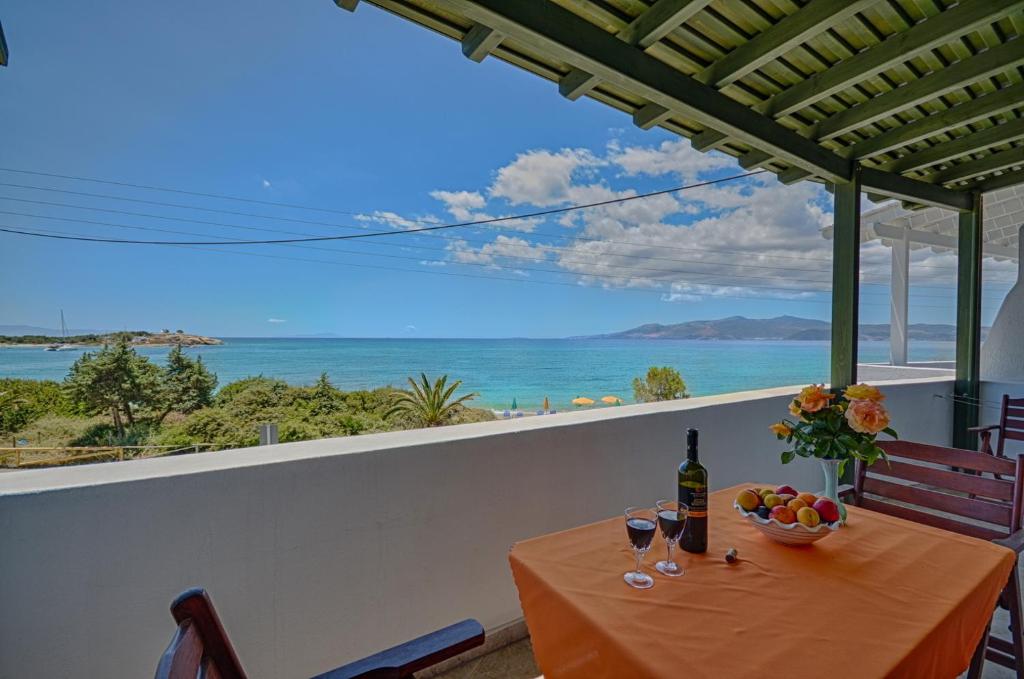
<point x="814" y="398"/>
<point x="781" y="429"/>
<point x="863" y="392"/>
<point x="794" y="409"/>
<point x="867" y="417"/>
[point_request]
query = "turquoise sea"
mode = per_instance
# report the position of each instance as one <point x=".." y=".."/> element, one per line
<point x="500" y="370"/>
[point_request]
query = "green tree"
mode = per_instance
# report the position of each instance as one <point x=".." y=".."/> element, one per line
<point x="661" y="384"/>
<point x="186" y="385"/>
<point x="429" y="405"/>
<point x="116" y="380"/>
<point x="324" y="399"/>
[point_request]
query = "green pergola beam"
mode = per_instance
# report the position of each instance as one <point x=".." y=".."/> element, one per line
<point x="349" y="5"/>
<point x="4" y="54"/>
<point x="663" y="17"/>
<point x="650" y="115"/>
<point x="969" y="112"/>
<point x="845" y="282"/>
<point x="479" y="41"/>
<point x="969" y="143"/>
<point x="989" y="63"/>
<point x="573" y="40"/>
<point x="967" y="385"/>
<point x="966" y="17"/>
<point x="994" y="162"/>
<point x="814" y="18"/>
<point x="913" y="190"/>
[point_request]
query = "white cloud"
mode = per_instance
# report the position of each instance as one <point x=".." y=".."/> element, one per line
<point x="670" y="157"/>
<point x="460" y="203"/>
<point x="542" y="177"/>
<point x="266" y="184"/>
<point x="276" y="320"/>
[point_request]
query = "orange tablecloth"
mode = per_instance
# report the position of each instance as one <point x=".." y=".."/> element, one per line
<point x="881" y="598"/>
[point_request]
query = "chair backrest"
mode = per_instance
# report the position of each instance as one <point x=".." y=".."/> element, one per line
<point x="1011" y="422"/>
<point x="965" y="497"/>
<point x="200" y="648"/>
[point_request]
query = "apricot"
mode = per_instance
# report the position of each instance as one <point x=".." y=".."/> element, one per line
<point x="808" y="498"/>
<point x="796" y="504"/>
<point x="808" y="516"/>
<point x="765" y="492"/>
<point x="783" y="514"/>
<point x="772" y="500"/>
<point x="748" y="500"/>
<point x="786" y="497"/>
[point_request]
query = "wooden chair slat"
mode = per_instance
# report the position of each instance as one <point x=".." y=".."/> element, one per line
<point x="1015" y="412"/>
<point x="916" y="516"/>
<point x="953" y="457"/>
<point x="998" y="489"/>
<point x="182" y="658"/>
<point x="1015" y="435"/>
<point x="982" y="510"/>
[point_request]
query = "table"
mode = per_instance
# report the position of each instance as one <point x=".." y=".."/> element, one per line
<point x="882" y="597"/>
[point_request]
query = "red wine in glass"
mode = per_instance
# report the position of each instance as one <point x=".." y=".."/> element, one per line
<point x="672" y="517"/>
<point x="641" y="532"/>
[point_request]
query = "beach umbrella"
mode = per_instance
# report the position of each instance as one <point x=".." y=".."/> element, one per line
<point x="582" y="401"/>
<point x="514" y="405"/>
<point x="547" y="404"/>
<point x="612" y="400"/>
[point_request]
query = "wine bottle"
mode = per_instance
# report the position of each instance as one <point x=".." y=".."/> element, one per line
<point x="693" y="492"/>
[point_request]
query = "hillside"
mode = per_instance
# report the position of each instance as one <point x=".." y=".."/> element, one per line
<point x="778" y="328"/>
<point x="135" y="337"/>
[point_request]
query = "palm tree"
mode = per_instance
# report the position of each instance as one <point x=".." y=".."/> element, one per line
<point x="429" y="405"/>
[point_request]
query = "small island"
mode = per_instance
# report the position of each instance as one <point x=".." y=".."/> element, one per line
<point x="164" y="338"/>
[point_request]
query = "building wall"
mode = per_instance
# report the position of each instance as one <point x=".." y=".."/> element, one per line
<point x="320" y="552"/>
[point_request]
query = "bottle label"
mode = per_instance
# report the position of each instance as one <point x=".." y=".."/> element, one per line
<point x="697" y="500"/>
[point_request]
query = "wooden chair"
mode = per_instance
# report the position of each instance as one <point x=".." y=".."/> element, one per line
<point x="1011" y="426"/>
<point x="201" y="649"/>
<point x="966" y="499"/>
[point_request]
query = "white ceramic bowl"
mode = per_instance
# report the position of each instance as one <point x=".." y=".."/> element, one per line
<point x="788" y="533"/>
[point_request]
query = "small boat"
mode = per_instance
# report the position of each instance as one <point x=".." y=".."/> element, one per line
<point x="61" y="346"/>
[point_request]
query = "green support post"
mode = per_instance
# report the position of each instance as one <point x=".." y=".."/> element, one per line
<point x="966" y="388"/>
<point x="845" y="281"/>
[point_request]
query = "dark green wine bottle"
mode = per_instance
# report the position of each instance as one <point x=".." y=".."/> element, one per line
<point x="693" y="492"/>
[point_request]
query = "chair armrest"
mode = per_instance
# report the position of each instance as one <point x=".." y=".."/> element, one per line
<point x="847" y="492"/>
<point x="413" y="656"/>
<point x="1014" y="541"/>
<point x="987" y="427"/>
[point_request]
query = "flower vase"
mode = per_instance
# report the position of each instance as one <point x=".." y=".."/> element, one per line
<point x="831" y="471"/>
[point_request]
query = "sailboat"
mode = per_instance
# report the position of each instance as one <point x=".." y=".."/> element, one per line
<point x="63" y="344"/>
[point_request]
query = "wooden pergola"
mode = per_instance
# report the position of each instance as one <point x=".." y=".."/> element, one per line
<point x="919" y="100"/>
<point x="3" y="47"/>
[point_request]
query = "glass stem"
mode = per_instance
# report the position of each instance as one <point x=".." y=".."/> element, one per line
<point x="670" y="544"/>
<point x="639" y="558"/>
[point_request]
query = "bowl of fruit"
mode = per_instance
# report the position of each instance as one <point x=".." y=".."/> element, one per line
<point x="786" y="516"/>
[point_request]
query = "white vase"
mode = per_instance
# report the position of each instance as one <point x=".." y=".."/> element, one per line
<point x="831" y="470"/>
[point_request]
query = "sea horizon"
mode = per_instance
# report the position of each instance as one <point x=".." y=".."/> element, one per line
<point x="500" y="370"/>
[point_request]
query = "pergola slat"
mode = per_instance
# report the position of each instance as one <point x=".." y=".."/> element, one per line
<point x="960" y="74"/>
<point x="479" y="42"/>
<point x="647" y="29"/>
<point x="816" y="17"/>
<point x="958" y="21"/>
<point x="962" y="146"/>
<point x="991" y="163"/>
<point x="4" y="54"/>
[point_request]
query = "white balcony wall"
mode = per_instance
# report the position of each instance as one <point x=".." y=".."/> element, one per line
<point x="320" y="552"/>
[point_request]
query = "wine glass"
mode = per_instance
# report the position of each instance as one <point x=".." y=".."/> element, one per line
<point x="671" y="519"/>
<point x="641" y="522"/>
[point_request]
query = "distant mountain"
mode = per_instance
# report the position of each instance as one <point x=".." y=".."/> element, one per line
<point x="778" y="328"/>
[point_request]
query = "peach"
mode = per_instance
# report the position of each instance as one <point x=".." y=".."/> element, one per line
<point x="808" y="498"/>
<point x="796" y="504"/>
<point x="748" y="500"/>
<point x="783" y="514"/>
<point x="786" y="498"/>
<point x="786" y="490"/>
<point x="773" y="500"/>
<point x="808" y="516"/>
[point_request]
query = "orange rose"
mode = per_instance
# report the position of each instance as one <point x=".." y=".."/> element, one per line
<point x="814" y="398"/>
<point x="867" y="417"/>
<point x="863" y="392"/>
<point x="781" y="429"/>
<point x="794" y="409"/>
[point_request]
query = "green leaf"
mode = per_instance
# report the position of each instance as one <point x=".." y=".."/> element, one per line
<point x="787" y="457"/>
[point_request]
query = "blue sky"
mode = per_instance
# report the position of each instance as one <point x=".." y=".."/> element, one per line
<point x="389" y="126"/>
